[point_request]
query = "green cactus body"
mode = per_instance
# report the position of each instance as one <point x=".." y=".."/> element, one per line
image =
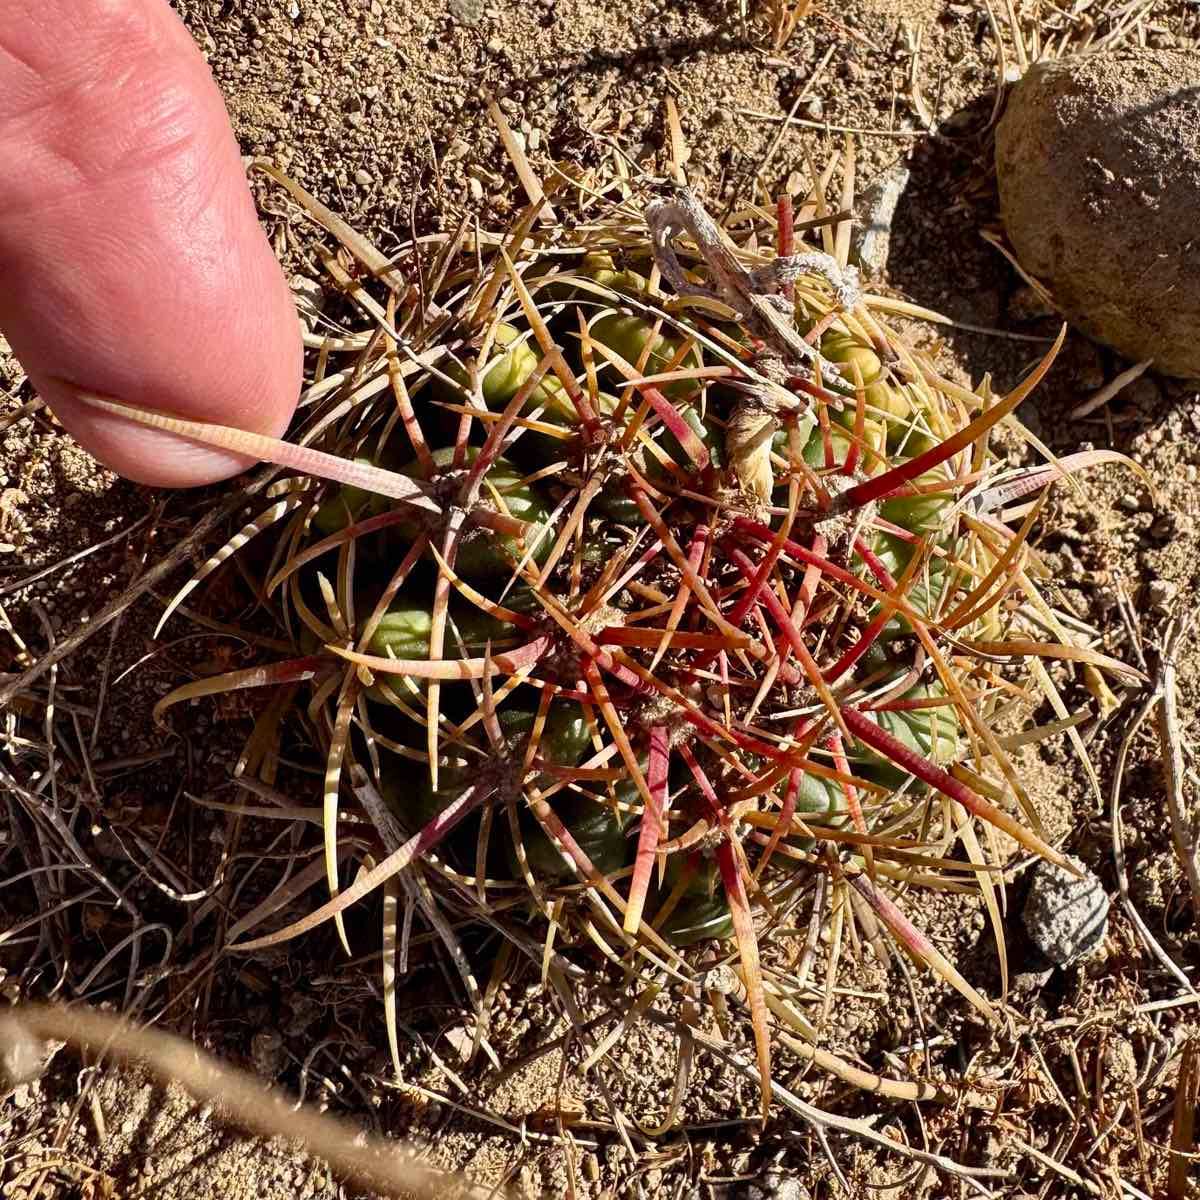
<point x="598" y="829"/>
<point x="702" y="912"/>
<point x="509" y="371"/>
<point x="921" y="513"/>
<point x="932" y="733"/>
<point x="629" y="335"/>
<point x="405" y="629"/>
<point x="347" y="505"/>
<point x="617" y="505"/>
<point x="481" y="553"/>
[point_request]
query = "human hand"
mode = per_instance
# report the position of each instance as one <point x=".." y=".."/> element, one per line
<point x="132" y="264"/>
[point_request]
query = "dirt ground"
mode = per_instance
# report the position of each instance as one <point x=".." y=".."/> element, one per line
<point x="378" y="108"/>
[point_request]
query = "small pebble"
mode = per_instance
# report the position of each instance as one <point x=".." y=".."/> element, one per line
<point x="1032" y="977"/>
<point x="363" y="177"/>
<point x="1120" y="1064"/>
<point x="465" y="12"/>
<point x="777" y="1186"/>
<point x="462" y="1040"/>
<point x="723" y="979"/>
<point x="1161" y="593"/>
<point x="1066" y="917"/>
<point x="1143" y="394"/>
<point x="267" y="1053"/>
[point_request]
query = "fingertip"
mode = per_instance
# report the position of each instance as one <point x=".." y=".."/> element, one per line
<point x="132" y="257"/>
<point x="150" y="456"/>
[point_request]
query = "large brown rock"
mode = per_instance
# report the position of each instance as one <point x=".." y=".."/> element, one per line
<point x="1098" y="161"/>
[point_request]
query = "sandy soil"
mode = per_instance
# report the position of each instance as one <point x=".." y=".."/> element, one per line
<point x="378" y="108"/>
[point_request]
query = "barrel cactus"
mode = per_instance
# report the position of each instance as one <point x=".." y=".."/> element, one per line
<point x="592" y="680"/>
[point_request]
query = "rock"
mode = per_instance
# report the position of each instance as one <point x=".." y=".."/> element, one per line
<point x="466" y="12"/>
<point x="777" y="1186"/>
<point x="1120" y="1064"/>
<point x="267" y="1053"/>
<point x="1032" y="977"/>
<point x="872" y="239"/>
<point x="1098" y="164"/>
<point x="1065" y="917"/>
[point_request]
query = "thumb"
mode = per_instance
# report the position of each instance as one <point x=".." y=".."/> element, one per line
<point x="131" y="261"/>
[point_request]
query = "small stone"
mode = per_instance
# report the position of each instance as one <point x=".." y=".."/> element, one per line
<point x="305" y="1010"/>
<point x="1143" y="394"/>
<point x="494" y="45"/>
<point x="465" y="12"/>
<point x="463" y="1041"/>
<point x="723" y="979"/>
<point x="1032" y="977"/>
<point x="267" y="1053"/>
<point x="312" y="99"/>
<point x="22" y="1059"/>
<point x="777" y="1186"/>
<point x="1066" y="917"/>
<point x="1120" y="1064"/>
<point x="1161" y="593"/>
<point x="363" y="177"/>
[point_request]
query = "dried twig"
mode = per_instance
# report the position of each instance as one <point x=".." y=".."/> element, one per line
<point x="373" y="1162"/>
